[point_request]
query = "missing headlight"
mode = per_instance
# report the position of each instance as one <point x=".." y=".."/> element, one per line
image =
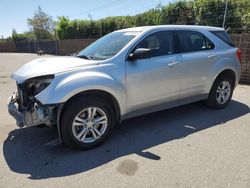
<point x="36" y="85"/>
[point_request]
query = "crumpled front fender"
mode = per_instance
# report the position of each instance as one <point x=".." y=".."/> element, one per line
<point x="66" y="86"/>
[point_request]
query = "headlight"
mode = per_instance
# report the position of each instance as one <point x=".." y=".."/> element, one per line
<point x="35" y="85"/>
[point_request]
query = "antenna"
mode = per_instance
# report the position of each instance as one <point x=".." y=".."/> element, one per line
<point x="225" y="14"/>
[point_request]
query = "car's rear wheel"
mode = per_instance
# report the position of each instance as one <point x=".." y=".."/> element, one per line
<point x="86" y="122"/>
<point x="221" y="92"/>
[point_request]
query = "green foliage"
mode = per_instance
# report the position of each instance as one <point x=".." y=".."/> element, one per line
<point x="181" y="12"/>
<point x="67" y="29"/>
<point x="26" y="36"/>
<point x="212" y="13"/>
<point x="199" y="12"/>
<point x="42" y="25"/>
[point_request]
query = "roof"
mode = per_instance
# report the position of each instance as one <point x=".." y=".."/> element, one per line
<point x="191" y="27"/>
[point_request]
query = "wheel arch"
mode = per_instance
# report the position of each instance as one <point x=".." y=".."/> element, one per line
<point x="227" y="72"/>
<point x="212" y="101"/>
<point x="93" y="92"/>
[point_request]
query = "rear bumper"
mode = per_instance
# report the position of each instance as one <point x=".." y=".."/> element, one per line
<point x="38" y="114"/>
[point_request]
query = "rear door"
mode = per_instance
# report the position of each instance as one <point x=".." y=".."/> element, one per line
<point x="196" y="54"/>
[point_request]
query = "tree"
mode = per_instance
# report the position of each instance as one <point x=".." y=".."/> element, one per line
<point x="42" y="25"/>
<point x="62" y="27"/>
<point x="14" y="32"/>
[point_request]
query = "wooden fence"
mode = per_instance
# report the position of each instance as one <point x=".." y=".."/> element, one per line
<point x="61" y="47"/>
<point x="70" y="46"/>
<point x="242" y="41"/>
<point x="7" y="47"/>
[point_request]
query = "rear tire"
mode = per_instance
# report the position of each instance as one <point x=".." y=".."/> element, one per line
<point x="87" y="121"/>
<point x="221" y="92"/>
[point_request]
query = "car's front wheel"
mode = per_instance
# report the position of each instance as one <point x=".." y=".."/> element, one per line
<point x="221" y="92"/>
<point x="86" y="122"/>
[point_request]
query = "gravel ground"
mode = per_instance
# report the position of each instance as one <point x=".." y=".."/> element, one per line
<point x="188" y="146"/>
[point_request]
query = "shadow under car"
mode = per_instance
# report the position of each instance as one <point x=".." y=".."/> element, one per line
<point x="26" y="152"/>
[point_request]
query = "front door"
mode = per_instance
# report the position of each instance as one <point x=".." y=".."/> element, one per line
<point x="156" y="80"/>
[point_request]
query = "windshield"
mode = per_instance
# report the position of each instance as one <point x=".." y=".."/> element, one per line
<point x="107" y="46"/>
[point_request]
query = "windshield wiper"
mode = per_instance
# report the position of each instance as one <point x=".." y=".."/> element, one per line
<point x="84" y="57"/>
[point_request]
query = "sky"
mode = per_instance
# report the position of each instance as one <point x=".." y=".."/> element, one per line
<point x="14" y="13"/>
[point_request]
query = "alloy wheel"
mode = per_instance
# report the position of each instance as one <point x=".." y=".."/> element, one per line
<point x="223" y="92"/>
<point x="89" y="124"/>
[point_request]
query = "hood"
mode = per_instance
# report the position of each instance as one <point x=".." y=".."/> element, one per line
<point x="52" y="65"/>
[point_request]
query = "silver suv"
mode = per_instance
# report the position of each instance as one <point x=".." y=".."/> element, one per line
<point x="125" y="74"/>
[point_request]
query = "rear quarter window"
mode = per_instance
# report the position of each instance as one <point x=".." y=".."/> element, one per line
<point x="224" y="37"/>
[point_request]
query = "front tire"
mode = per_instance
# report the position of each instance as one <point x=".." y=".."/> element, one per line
<point x="221" y="92"/>
<point x="87" y="121"/>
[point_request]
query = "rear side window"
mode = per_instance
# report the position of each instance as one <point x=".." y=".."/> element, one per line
<point x="223" y="36"/>
<point x="191" y="41"/>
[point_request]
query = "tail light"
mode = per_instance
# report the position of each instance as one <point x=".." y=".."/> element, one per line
<point x="239" y="54"/>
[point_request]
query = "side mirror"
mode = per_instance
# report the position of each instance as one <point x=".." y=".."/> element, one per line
<point x="140" y="53"/>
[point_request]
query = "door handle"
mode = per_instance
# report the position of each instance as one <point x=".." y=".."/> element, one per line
<point x="211" y="56"/>
<point x="172" y="64"/>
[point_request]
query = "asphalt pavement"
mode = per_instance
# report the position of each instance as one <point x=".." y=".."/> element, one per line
<point x="188" y="146"/>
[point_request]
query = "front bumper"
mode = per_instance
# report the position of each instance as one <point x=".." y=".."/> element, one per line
<point x="36" y="115"/>
<point x="13" y="110"/>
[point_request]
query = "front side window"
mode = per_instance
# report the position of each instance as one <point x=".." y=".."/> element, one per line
<point x="107" y="46"/>
<point x="160" y="43"/>
<point x="191" y="41"/>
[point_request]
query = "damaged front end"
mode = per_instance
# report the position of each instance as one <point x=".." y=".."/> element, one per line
<point x="26" y="109"/>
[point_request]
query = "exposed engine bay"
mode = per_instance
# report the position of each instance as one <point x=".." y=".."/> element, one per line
<point x="28" y="111"/>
